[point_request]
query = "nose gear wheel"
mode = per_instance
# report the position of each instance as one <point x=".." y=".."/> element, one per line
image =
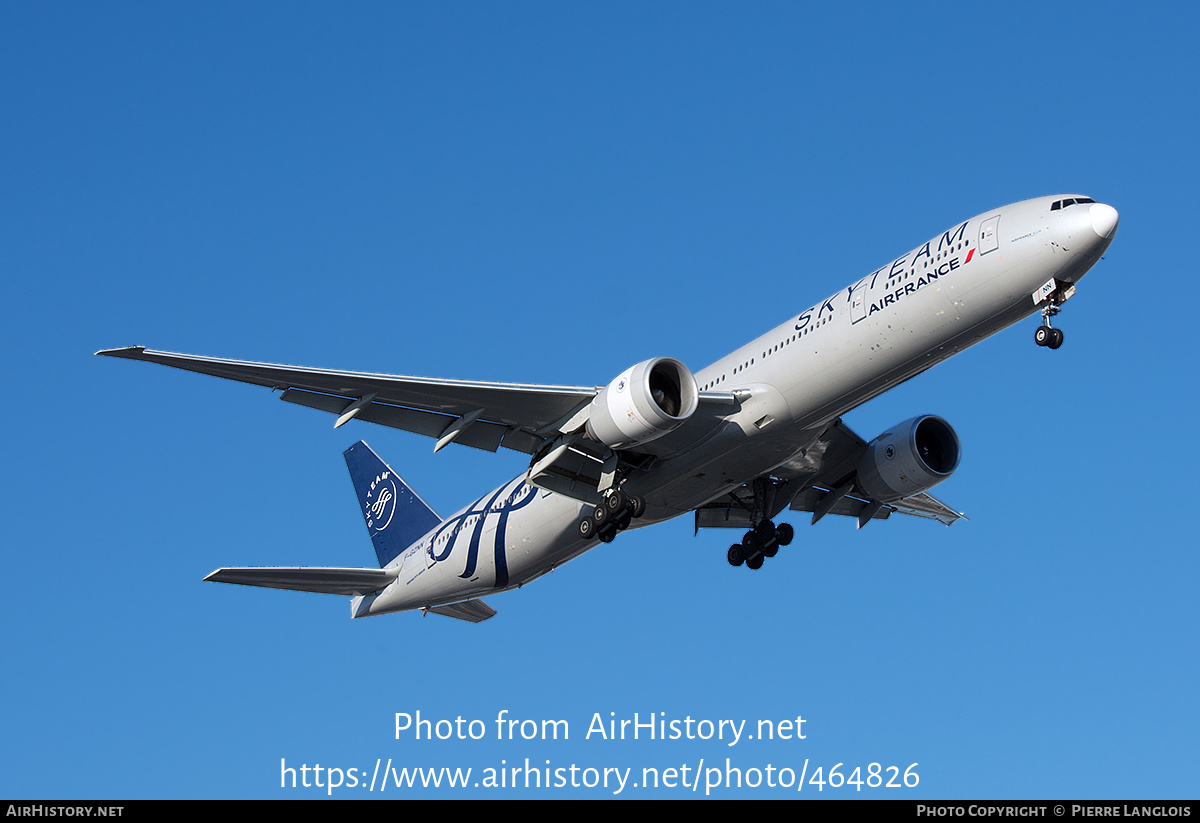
<point x="1046" y="335"/>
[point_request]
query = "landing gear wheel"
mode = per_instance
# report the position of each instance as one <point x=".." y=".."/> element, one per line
<point x="612" y="515"/>
<point x="1046" y="336"/>
<point x="616" y="502"/>
<point x="765" y="531"/>
<point x="587" y="530"/>
<point x="784" y="534"/>
<point x="755" y="562"/>
<point x="735" y="556"/>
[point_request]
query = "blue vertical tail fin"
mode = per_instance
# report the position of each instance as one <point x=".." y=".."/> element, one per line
<point x="396" y="515"/>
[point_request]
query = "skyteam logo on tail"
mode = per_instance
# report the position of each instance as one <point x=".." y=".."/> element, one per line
<point x="395" y="515"/>
<point x="381" y="502"/>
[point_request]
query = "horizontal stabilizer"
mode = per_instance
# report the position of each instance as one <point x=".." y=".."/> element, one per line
<point x="473" y="611"/>
<point x="309" y="579"/>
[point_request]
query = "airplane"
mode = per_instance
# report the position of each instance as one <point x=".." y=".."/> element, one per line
<point x="738" y="442"/>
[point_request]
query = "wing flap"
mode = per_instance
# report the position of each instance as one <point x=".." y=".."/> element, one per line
<point x="849" y="506"/>
<point x="919" y="505"/>
<point x="308" y="578"/>
<point x="480" y="434"/>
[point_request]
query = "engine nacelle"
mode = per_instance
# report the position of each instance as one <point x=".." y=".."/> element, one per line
<point x="909" y="458"/>
<point x="645" y="402"/>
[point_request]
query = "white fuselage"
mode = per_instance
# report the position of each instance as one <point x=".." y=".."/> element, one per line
<point x="941" y="297"/>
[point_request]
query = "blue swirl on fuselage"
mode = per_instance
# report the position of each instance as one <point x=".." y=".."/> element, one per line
<point x="477" y="534"/>
<point x="503" y="509"/>
<point x="506" y="509"/>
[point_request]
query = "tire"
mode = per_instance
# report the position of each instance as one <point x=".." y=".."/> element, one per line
<point x="637" y="506"/>
<point x="616" y="502"/>
<point x="600" y="515"/>
<point x="735" y="556"/>
<point x="784" y="534"/>
<point x="1056" y="338"/>
<point x="587" y="530"/>
<point x="755" y="562"/>
<point x="1043" y="335"/>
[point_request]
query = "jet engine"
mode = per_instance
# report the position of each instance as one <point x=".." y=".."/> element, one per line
<point x="909" y="458"/>
<point x="643" y="403"/>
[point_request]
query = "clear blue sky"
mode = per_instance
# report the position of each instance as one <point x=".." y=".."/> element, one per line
<point x="549" y="193"/>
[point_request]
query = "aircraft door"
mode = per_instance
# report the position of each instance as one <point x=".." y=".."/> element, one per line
<point x="858" y="302"/>
<point x="989" y="239"/>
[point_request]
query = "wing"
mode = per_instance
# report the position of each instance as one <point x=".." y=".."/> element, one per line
<point x="821" y="481"/>
<point x="483" y="415"/>
<point x="825" y="476"/>
<point x="544" y="421"/>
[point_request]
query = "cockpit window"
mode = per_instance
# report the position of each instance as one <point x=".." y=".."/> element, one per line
<point x="1070" y="201"/>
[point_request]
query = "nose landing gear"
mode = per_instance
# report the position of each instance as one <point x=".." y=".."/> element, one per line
<point x="1046" y="335"/>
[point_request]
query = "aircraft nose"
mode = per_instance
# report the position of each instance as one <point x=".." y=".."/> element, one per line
<point x="1104" y="219"/>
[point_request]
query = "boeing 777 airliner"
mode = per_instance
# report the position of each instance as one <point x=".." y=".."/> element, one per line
<point x="738" y="442"/>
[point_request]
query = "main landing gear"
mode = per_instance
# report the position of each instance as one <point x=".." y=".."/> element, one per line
<point x="761" y="542"/>
<point x="612" y="515"/>
<point x="1046" y="336"/>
